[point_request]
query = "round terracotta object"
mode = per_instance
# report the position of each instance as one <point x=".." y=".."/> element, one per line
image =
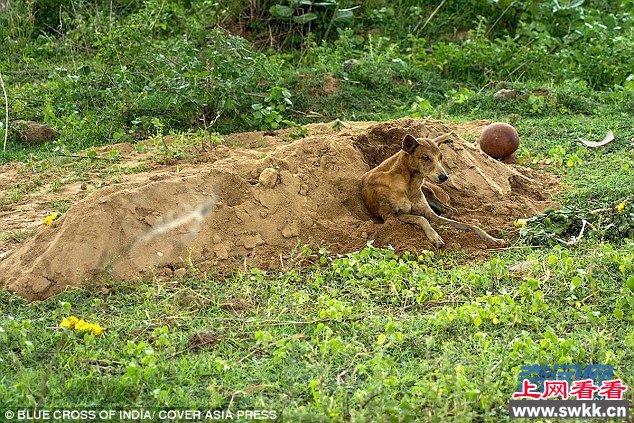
<point x="499" y="140"/>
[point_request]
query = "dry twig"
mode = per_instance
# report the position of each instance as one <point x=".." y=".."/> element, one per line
<point x="6" y="113"/>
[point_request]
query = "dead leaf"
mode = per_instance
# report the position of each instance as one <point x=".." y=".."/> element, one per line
<point x="251" y="389"/>
<point x="202" y="340"/>
<point x="237" y="305"/>
<point x="522" y="267"/>
<point x="609" y="137"/>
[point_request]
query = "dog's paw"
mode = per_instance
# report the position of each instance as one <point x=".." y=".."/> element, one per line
<point x="436" y="240"/>
<point x="497" y="242"/>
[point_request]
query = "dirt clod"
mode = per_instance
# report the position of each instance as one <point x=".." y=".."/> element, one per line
<point x="202" y="340"/>
<point x="28" y="131"/>
<point x="316" y="201"/>
<point x="505" y="94"/>
<point x="237" y="305"/>
<point x="268" y="177"/>
<point x="180" y="272"/>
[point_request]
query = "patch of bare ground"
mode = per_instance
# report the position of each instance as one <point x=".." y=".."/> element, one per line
<point x="253" y="199"/>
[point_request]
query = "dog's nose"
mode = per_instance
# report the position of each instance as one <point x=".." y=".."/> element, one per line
<point x="443" y="177"/>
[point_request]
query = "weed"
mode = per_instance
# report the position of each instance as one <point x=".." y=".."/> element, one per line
<point x="370" y="335"/>
<point x="270" y="115"/>
<point x="60" y="205"/>
<point x="560" y="226"/>
<point x="12" y="196"/>
<point x="405" y="327"/>
<point x="17" y="235"/>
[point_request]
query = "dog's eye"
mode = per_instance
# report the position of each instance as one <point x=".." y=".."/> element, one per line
<point x="425" y="158"/>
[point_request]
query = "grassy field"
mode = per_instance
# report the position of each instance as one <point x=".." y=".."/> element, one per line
<point x="370" y="336"/>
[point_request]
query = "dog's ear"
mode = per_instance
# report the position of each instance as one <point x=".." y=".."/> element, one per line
<point x="409" y="144"/>
<point x="441" y="138"/>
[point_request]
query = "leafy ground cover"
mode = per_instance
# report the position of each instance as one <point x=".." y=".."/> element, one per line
<point x="427" y="336"/>
<point x="363" y="336"/>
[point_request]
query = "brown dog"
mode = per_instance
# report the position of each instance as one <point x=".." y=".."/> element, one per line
<point x="393" y="188"/>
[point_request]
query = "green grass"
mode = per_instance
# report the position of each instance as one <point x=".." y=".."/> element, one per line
<point x="147" y="67"/>
<point x="371" y="336"/>
<point x="364" y="337"/>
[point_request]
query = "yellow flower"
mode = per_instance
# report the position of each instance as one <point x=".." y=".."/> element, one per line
<point x="97" y="330"/>
<point x="75" y="323"/>
<point x="48" y="220"/>
<point x="69" y="322"/>
<point x="620" y="207"/>
<point x="81" y="325"/>
<point x="520" y="222"/>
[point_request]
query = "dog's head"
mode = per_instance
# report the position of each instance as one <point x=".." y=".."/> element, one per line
<point x="424" y="157"/>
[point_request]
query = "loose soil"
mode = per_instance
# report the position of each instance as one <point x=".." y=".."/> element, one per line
<point x="233" y="213"/>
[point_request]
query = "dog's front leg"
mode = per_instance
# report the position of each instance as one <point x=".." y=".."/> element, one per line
<point x="423" y="223"/>
<point x="420" y="206"/>
<point x="429" y="214"/>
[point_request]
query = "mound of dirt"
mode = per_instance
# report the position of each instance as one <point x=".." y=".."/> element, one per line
<point x="247" y="205"/>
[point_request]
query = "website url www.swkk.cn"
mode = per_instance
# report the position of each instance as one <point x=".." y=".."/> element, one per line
<point x="569" y="409"/>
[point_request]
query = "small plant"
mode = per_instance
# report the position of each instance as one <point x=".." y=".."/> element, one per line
<point x="141" y="361"/>
<point x="113" y="154"/>
<point x="16" y="334"/>
<point x="421" y="108"/>
<point x="338" y="125"/>
<point x="17" y="235"/>
<point x="537" y="103"/>
<point x="391" y="335"/>
<point x="559" y="156"/>
<point x="160" y="337"/>
<point x="460" y="96"/>
<point x="271" y="113"/>
<point x="213" y="138"/>
<point x="298" y="132"/>
<point x="563" y="225"/>
<point x="263" y="337"/>
<point x="321" y="18"/>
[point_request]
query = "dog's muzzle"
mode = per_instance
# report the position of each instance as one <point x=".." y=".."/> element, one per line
<point x="443" y="177"/>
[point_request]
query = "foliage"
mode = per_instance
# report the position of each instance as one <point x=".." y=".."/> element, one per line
<point x="560" y="226"/>
<point x="101" y="71"/>
<point x="370" y="335"/>
<point x="270" y="115"/>
<point x="138" y="67"/>
<point x="300" y="17"/>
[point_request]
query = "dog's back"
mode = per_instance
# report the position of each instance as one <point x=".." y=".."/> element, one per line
<point x="395" y="188"/>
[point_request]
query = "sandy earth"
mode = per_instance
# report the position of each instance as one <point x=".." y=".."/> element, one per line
<point x="250" y="201"/>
